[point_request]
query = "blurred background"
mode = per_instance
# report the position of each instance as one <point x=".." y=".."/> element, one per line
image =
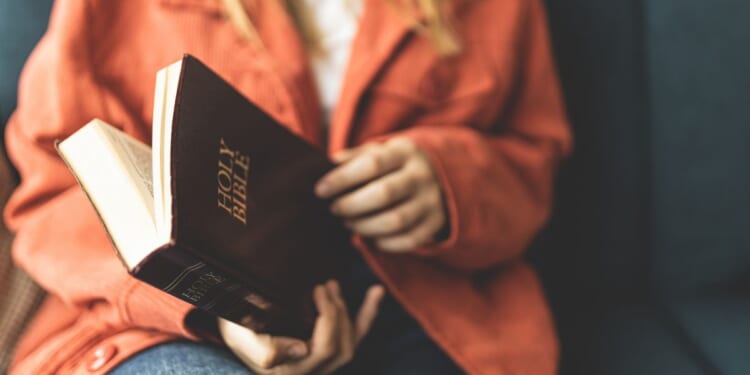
<point x="647" y="258"/>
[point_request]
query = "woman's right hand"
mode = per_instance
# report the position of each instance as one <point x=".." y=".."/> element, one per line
<point x="334" y="340"/>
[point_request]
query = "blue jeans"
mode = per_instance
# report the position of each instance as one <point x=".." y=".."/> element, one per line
<point x="412" y="355"/>
<point x="396" y="345"/>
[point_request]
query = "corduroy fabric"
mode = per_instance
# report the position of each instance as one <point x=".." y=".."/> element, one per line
<point x="19" y="295"/>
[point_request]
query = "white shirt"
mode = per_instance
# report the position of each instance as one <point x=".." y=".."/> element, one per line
<point x="336" y="22"/>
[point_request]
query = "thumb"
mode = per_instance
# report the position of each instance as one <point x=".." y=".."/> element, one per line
<point x="260" y="350"/>
<point x="282" y="350"/>
<point x="368" y="311"/>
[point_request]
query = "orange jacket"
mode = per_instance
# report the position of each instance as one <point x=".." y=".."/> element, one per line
<point x="491" y="120"/>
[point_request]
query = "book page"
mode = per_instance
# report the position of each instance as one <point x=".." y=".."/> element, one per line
<point x="114" y="170"/>
<point x="137" y="159"/>
<point x="165" y="93"/>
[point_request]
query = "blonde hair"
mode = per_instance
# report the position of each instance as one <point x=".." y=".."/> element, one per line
<point x="436" y="25"/>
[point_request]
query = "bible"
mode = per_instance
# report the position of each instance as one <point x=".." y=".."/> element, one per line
<point x="220" y="211"/>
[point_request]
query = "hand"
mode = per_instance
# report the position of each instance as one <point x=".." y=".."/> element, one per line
<point x="398" y="201"/>
<point x="332" y="344"/>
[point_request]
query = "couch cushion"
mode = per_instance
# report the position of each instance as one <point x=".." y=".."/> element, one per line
<point x="626" y="340"/>
<point x="700" y="88"/>
<point x="22" y="22"/>
<point x="598" y="232"/>
<point x="656" y="196"/>
<point x="20" y="296"/>
<point x="720" y="328"/>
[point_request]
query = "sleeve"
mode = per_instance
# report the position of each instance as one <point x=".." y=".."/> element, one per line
<point x="498" y="184"/>
<point x="59" y="239"/>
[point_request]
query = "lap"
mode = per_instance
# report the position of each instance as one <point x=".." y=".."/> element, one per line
<point x="410" y="354"/>
<point x="182" y="357"/>
<point x="396" y="345"/>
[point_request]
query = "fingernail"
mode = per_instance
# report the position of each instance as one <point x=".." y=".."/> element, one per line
<point x="333" y="286"/>
<point x="379" y="289"/>
<point x="298" y="350"/>
<point x="322" y="189"/>
<point x="321" y="290"/>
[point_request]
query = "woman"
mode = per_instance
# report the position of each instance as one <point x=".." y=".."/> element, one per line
<point x="447" y="123"/>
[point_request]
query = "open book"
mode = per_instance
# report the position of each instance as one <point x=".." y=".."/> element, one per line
<point x="220" y="212"/>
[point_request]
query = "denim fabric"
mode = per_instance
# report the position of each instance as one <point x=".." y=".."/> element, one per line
<point x="182" y="357"/>
<point x="410" y="354"/>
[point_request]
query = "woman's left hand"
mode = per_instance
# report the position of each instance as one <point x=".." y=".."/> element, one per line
<point x="392" y="194"/>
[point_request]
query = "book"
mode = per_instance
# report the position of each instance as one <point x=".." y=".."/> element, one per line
<point x="220" y="211"/>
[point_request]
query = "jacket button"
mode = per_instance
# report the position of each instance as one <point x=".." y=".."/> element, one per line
<point x="101" y="356"/>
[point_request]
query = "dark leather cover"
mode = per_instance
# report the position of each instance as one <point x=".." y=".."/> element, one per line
<point x="257" y="269"/>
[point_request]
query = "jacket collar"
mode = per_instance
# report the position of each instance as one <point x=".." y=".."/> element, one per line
<point x="217" y="6"/>
<point x="382" y="28"/>
<point x="212" y="6"/>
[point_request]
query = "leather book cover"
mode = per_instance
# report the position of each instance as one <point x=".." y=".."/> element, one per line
<point x="250" y="239"/>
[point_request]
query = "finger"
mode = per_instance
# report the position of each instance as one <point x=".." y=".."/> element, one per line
<point x="350" y="335"/>
<point x="335" y="293"/>
<point x="346" y="332"/>
<point x="324" y="340"/>
<point x="367" y="166"/>
<point x="350" y="153"/>
<point x="419" y="235"/>
<point x="284" y="350"/>
<point x="261" y="351"/>
<point x="376" y="195"/>
<point x="368" y="311"/>
<point x="392" y="221"/>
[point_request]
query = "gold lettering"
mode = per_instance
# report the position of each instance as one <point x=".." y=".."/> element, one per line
<point x="226" y="168"/>
<point x="240" y="179"/>
<point x="240" y="190"/>
<point x="242" y="161"/>
<point x="232" y="181"/>
<point x="224" y="200"/>
<point x="225" y="150"/>
<point x="239" y="214"/>
<point x="227" y="154"/>
<point x="225" y="179"/>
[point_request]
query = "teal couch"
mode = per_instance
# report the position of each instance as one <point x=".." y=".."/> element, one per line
<point x="22" y="23"/>
<point x="647" y="258"/>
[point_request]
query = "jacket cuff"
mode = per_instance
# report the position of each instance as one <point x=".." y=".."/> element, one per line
<point x="145" y="306"/>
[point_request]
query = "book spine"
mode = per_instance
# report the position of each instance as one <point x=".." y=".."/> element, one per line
<point x="205" y="286"/>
